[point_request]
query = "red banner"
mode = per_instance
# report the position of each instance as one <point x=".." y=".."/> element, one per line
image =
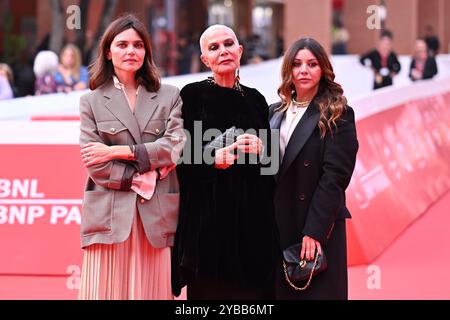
<point x="402" y="168"/>
<point x="41" y="188"/>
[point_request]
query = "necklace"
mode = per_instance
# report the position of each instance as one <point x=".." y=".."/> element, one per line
<point x="237" y="85"/>
<point x="301" y="104"/>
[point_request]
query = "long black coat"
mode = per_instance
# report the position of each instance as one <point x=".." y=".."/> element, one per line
<point x="226" y="232"/>
<point x="310" y="197"/>
<point x="429" y="70"/>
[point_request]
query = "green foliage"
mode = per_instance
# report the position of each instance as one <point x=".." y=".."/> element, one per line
<point x="13" y="44"/>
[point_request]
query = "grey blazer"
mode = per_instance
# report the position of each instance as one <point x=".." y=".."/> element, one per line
<point x="156" y="129"/>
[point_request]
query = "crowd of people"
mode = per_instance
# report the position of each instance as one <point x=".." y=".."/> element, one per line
<point x="50" y="74"/>
<point x="68" y="71"/>
<point x="385" y="65"/>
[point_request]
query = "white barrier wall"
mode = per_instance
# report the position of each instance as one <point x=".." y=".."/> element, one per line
<point x="354" y="78"/>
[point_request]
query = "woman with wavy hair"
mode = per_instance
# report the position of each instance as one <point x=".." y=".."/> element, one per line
<point x="318" y="147"/>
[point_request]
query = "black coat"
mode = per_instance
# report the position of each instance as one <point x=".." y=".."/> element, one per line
<point x="393" y="65"/>
<point x="310" y="197"/>
<point x="429" y="70"/>
<point x="226" y="231"/>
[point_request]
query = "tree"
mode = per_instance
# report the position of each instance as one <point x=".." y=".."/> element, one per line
<point x="80" y="37"/>
<point x="58" y="26"/>
<point x="108" y="14"/>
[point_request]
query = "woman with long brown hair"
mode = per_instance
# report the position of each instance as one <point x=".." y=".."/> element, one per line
<point x="131" y="131"/>
<point x="318" y="147"/>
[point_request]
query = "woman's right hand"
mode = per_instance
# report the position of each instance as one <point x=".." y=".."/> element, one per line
<point x="309" y="247"/>
<point x="249" y="143"/>
<point x="225" y="157"/>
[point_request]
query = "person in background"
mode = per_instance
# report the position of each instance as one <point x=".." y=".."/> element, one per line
<point x="71" y="75"/>
<point x="318" y="146"/>
<point x="6" y="80"/>
<point x="45" y="66"/>
<point x="24" y="78"/>
<point x="187" y="55"/>
<point x="423" y="65"/>
<point x="432" y="41"/>
<point x="340" y="37"/>
<point x="383" y="61"/>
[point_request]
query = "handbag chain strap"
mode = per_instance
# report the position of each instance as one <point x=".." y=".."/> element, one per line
<point x="310" y="275"/>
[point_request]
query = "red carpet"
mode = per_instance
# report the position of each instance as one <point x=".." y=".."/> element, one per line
<point x="415" y="266"/>
<point x="35" y="288"/>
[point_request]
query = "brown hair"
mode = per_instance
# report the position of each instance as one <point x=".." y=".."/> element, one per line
<point x="102" y="69"/>
<point x="329" y="98"/>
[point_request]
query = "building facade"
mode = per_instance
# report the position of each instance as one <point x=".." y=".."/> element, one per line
<point x="265" y="27"/>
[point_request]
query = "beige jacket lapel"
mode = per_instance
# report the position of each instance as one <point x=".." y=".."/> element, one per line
<point x="117" y="104"/>
<point x="146" y="105"/>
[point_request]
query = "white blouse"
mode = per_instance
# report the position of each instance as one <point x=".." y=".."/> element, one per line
<point x="290" y="120"/>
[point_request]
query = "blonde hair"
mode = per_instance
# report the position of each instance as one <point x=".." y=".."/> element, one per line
<point x="77" y="57"/>
<point x="329" y="98"/>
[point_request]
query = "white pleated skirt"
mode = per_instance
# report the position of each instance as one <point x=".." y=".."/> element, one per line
<point x="131" y="270"/>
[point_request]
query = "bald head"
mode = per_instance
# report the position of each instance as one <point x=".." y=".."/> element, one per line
<point x="206" y="35"/>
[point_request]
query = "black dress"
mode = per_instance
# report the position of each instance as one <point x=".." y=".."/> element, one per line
<point x="226" y="239"/>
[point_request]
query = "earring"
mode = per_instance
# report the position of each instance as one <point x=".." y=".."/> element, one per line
<point x="237" y="79"/>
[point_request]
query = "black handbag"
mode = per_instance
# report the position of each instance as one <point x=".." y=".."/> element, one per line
<point x="297" y="271"/>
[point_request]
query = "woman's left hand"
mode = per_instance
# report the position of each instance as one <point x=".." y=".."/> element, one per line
<point x="309" y="247"/>
<point x="95" y="153"/>
<point x="249" y="143"/>
<point x="164" y="171"/>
